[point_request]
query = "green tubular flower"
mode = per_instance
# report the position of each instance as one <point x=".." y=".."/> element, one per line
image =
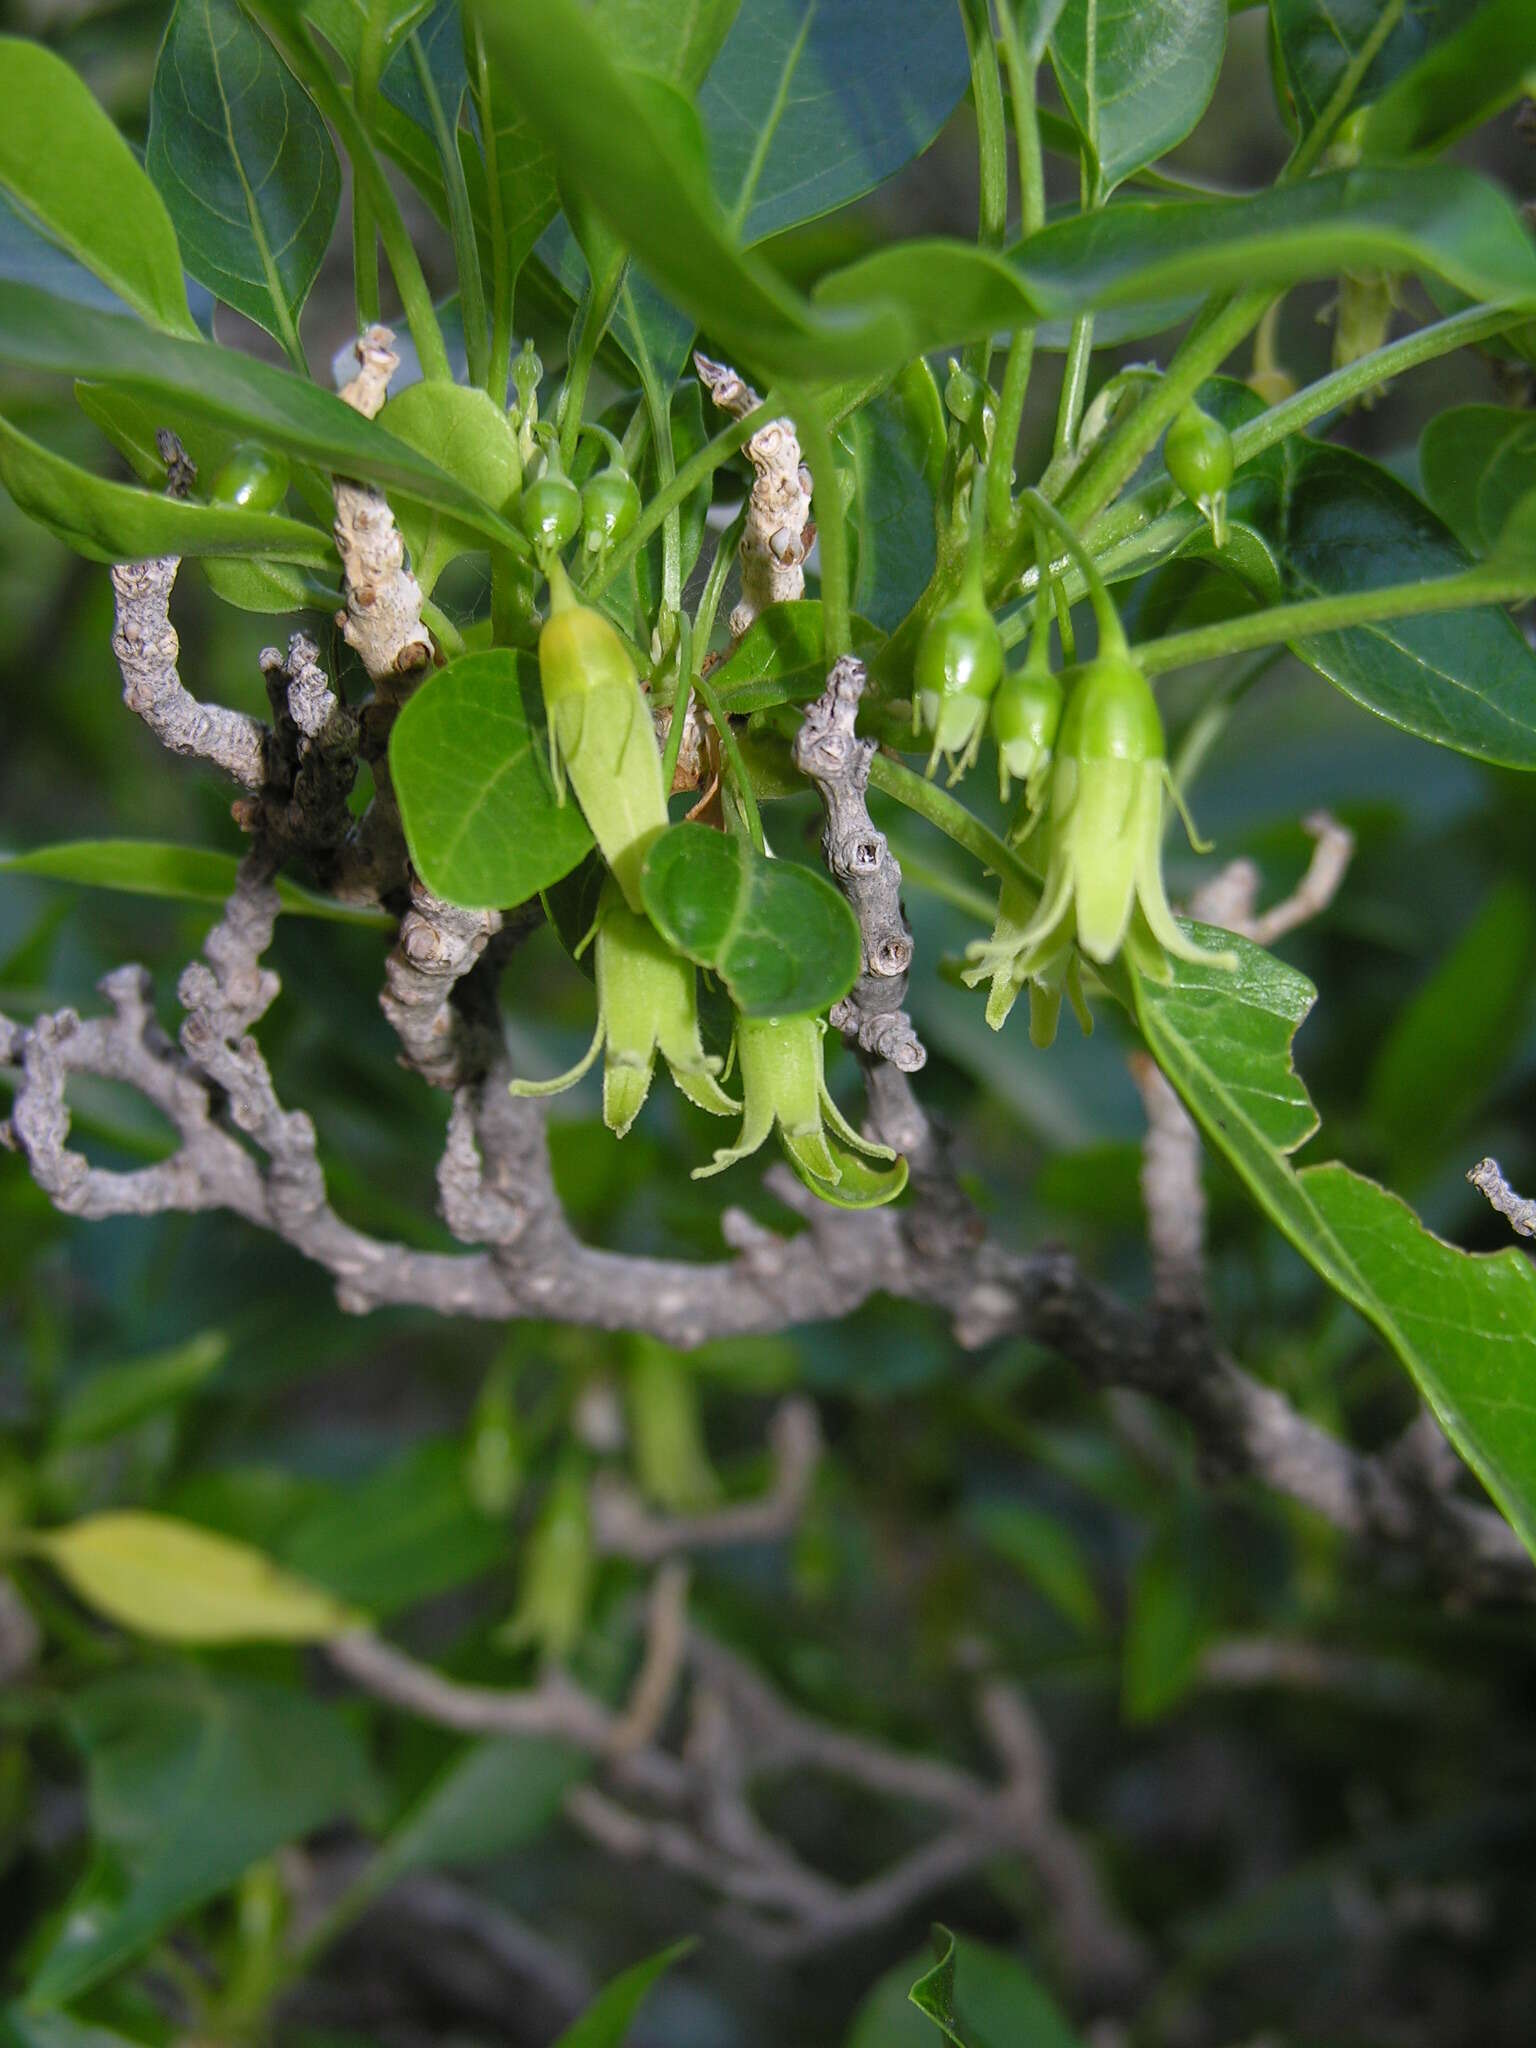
<point x="647" y="1002"/>
<point x="1104" y="880"/>
<point x="1005" y="962"/>
<point x="784" y="1088"/>
<point x="600" y="733"/>
<point x="558" y="1567"/>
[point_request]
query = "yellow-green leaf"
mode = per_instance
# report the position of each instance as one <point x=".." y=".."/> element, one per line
<point x="163" y="1578"/>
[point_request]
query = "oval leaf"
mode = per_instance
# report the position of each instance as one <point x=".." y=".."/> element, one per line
<point x="67" y="166"/>
<point x="1478" y="462"/>
<point x="158" y="867"/>
<point x="779" y="935"/>
<point x="181" y="1584"/>
<point x="471" y="772"/>
<point x="243" y="162"/>
<point x="1137" y="75"/>
<point x="466" y="433"/>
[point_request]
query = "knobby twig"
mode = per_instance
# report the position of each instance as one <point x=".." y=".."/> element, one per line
<point x="778" y="533"/>
<point x="1519" y="1210"/>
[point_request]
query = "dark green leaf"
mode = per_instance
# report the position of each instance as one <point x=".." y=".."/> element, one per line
<point x="403" y="1535"/>
<point x="897" y="446"/>
<point x="1137" y="75"/>
<point x="441" y="37"/>
<point x="1478" y="462"/>
<point x="1045" y="1552"/>
<point x="155" y="867"/>
<point x="780" y="936"/>
<point x="810" y="105"/>
<point x="1483" y="64"/>
<point x="112" y="522"/>
<point x="481" y="817"/>
<point x="1316" y="42"/>
<point x="1170" y="1619"/>
<point x="494" y="1797"/>
<point x="1464" y="679"/>
<point x="243" y="162"/>
<point x="256" y="400"/>
<point x="1464" y="1326"/>
<point x="978" y="1997"/>
<point x="116" y="1397"/>
<point x="66" y="165"/>
<point x="781" y="658"/>
<point x="192" y="1779"/>
<point x="608" y="2019"/>
<point x="1434" y="1066"/>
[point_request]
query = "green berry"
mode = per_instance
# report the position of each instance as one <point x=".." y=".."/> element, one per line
<point x="960" y="653"/>
<point x="549" y="512"/>
<point x="610" y="506"/>
<point x="253" y="478"/>
<point x="1198" y="453"/>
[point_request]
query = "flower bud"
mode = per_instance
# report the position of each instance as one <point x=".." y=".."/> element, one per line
<point x="1026" y="713"/>
<point x="600" y="733"/>
<point x="1198" y="452"/>
<point x="958" y="663"/>
<point x="557" y="1569"/>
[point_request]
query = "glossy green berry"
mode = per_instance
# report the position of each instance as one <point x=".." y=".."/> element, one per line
<point x="610" y="506"/>
<point x="1026" y="712"/>
<point x="960" y="653"/>
<point x="1198" y="453"/>
<point x="549" y="512"/>
<point x="253" y="478"/>
<point x="964" y="395"/>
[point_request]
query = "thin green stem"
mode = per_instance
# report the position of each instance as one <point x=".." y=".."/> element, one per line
<point x="461" y="221"/>
<point x="1321" y="134"/>
<point x="365" y="230"/>
<point x="1074" y="384"/>
<point x="831" y="528"/>
<point x="991" y="146"/>
<point x="660" y="411"/>
<point x="597" y="306"/>
<point x="499" y="365"/>
<point x="443" y="630"/>
<point x="1204" y="349"/>
<point x="741" y="782"/>
<point x="299" y="47"/>
<point x="1490" y="583"/>
<point x="690" y="474"/>
<point x="1021" y="349"/>
<point x="1111" y="632"/>
<point x="714" y="585"/>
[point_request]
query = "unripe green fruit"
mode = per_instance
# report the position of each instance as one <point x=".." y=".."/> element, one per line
<point x="1111" y="714"/>
<point x="549" y="512"/>
<point x="1198" y="453"/>
<point x="960" y="653"/>
<point x="253" y="478"/>
<point x="610" y="506"/>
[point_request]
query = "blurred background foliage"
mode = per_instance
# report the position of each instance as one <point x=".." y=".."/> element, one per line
<point x="1329" y="1839"/>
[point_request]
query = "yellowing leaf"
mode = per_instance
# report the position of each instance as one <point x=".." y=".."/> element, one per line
<point x="167" y="1579"/>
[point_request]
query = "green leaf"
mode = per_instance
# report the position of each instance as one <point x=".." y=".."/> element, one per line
<point x="1316" y="41"/>
<point x="177" y="1583"/>
<point x="1170" y="1618"/>
<point x="1464" y="679"/>
<point x="1464" y="1325"/>
<point x="652" y="187"/>
<point x="608" y="2019"/>
<point x="676" y="43"/>
<point x="258" y="401"/>
<point x="192" y="1779"/>
<point x="978" y="1997"/>
<point x="897" y="446"/>
<point x="808" y="107"/>
<point x="244" y="164"/>
<point x="117" y="1397"/>
<point x="471" y="772"/>
<point x="1477" y="463"/>
<point x="781" y="658"/>
<point x="1462" y="80"/>
<point x="66" y="165"/>
<point x="1435" y="1066"/>
<point x="494" y="1797"/>
<point x="1137" y="75"/>
<point x="405" y="1534"/>
<point x="467" y="434"/>
<point x="780" y="937"/>
<point x="1043" y="1550"/>
<point x="113" y="522"/>
<point x="154" y="867"/>
<point x="1036" y="19"/>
